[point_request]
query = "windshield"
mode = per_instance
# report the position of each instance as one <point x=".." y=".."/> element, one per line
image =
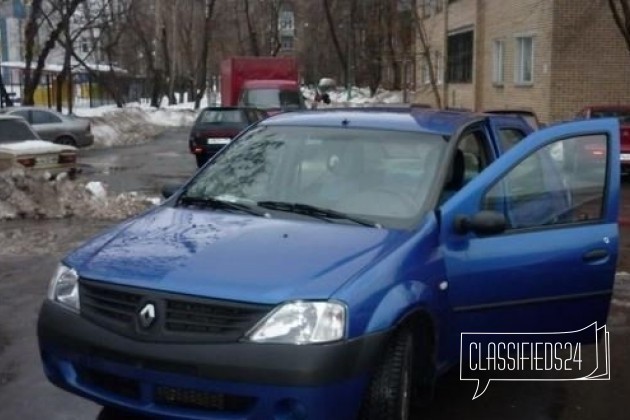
<point x="381" y="176"/>
<point x="623" y="115"/>
<point x="224" y="116"/>
<point x="273" y="98"/>
<point x="12" y="131"/>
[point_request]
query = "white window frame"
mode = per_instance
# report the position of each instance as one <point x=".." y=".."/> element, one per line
<point x="438" y="66"/>
<point x="498" y="62"/>
<point x="519" y="60"/>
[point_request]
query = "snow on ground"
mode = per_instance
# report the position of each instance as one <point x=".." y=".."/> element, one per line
<point x="35" y="196"/>
<point x="134" y="123"/>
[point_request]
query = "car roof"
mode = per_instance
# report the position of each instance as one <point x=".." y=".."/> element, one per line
<point x="433" y="121"/>
<point x="261" y="84"/>
<point x="4" y="117"/>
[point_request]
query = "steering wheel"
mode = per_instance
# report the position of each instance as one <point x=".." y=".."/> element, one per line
<point x="389" y="203"/>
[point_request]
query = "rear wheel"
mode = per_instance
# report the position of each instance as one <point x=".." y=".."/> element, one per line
<point x="201" y="160"/>
<point x="66" y="140"/>
<point x="396" y="382"/>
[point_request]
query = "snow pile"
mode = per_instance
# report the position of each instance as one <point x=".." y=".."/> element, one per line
<point x="134" y="124"/>
<point x="36" y="196"/>
<point x="359" y="97"/>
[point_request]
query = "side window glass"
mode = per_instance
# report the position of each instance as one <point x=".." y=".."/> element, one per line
<point x="21" y="114"/>
<point x="41" y="117"/>
<point x="473" y="149"/>
<point x="509" y="138"/>
<point x="562" y="183"/>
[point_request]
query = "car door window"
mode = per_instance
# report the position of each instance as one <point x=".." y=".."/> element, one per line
<point x="43" y="117"/>
<point x="22" y="114"/>
<point x="509" y="137"/>
<point x="475" y="152"/>
<point x="543" y="190"/>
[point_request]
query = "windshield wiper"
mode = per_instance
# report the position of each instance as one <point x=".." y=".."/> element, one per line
<point x="314" y="211"/>
<point x="216" y="203"/>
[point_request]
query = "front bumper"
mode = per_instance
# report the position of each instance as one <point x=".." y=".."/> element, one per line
<point x="234" y="380"/>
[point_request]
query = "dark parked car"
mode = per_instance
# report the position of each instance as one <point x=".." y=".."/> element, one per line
<point x="53" y="126"/>
<point x="217" y="126"/>
<point x="529" y="116"/>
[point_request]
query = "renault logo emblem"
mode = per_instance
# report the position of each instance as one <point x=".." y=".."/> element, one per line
<point x="147" y="315"/>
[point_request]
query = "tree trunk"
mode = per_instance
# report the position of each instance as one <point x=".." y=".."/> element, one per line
<point x="202" y="75"/>
<point x="333" y="35"/>
<point x="621" y="15"/>
<point x="253" y="39"/>
<point x="32" y="81"/>
<point x="5" y="99"/>
<point x="426" y="53"/>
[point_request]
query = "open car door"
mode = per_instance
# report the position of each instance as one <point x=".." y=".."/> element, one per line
<point x="530" y="247"/>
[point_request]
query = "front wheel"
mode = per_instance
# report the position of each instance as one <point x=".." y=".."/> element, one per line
<point x="201" y="160"/>
<point x="392" y="391"/>
<point x="111" y="413"/>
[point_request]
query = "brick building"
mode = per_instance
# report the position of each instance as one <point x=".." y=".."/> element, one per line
<point x="552" y="56"/>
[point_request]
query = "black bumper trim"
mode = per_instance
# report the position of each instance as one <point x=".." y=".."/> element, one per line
<point x="62" y="331"/>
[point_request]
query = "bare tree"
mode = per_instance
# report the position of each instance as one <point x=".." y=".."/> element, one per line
<point x="621" y="14"/>
<point x="202" y="72"/>
<point x="341" y="55"/>
<point x="427" y="56"/>
<point x="31" y="78"/>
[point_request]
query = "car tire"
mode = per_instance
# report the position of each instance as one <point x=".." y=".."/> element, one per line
<point x="201" y="160"/>
<point x="394" y="388"/>
<point x="66" y="141"/>
<point x="111" y="413"/>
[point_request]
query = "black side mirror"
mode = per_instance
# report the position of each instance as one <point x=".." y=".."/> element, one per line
<point x="169" y="189"/>
<point x="483" y="223"/>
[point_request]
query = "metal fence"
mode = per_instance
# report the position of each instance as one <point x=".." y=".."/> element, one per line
<point x="86" y="90"/>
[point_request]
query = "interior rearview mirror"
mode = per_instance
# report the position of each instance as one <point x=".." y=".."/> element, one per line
<point x="486" y="222"/>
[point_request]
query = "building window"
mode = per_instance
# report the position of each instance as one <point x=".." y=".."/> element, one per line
<point x="497" y="62"/>
<point x="287" y="43"/>
<point x="459" y="65"/>
<point x="431" y="7"/>
<point x="524" y="68"/>
<point x="286" y="23"/>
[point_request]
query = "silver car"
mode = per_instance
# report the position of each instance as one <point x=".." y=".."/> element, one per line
<point x="22" y="148"/>
<point x="55" y="127"/>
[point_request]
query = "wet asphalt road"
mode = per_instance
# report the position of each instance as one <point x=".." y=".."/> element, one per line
<point x="29" y="251"/>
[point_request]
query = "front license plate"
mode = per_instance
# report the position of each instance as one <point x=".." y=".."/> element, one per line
<point x="625" y="157"/>
<point x="218" y="141"/>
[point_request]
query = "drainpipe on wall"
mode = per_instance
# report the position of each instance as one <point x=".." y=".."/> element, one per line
<point x="445" y="101"/>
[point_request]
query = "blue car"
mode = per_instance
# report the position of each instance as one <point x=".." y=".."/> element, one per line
<point x="324" y="264"/>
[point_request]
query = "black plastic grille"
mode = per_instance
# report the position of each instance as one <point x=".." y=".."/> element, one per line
<point x="201" y="400"/>
<point x="111" y="383"/>
<point x="179" y="318"/>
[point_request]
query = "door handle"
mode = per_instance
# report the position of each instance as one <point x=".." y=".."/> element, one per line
<point x="595" y="255"/>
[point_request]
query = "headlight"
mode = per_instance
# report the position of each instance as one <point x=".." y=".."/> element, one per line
<point x="302" y="323"/>
<point x="64" y="287"/>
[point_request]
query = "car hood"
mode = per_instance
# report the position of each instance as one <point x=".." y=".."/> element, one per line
<point x="34" y="147"/>
<point x="229" y="256"/>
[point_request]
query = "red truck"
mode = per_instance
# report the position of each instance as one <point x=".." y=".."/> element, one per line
<point x="622" y="113"/>
<point x="268" y="83"/>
